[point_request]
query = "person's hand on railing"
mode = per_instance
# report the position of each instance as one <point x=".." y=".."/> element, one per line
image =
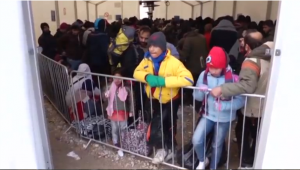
<point x="203" y="88"/>
<point x="130" y="114"/>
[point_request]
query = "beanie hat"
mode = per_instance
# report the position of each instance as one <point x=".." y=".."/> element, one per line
<point x="75" y="25"/>
<point x="44" y="24"/>
<point x="158" y="39"/>
<point x="217" y="58"/>
<point x="63" y="26"/>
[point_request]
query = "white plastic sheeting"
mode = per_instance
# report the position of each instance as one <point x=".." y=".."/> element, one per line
<point x="69" y="11"/>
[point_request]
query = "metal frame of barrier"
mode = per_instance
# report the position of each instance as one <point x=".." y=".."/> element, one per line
<point x="184" y="118"/>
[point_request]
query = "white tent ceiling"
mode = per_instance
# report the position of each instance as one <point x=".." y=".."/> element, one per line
<point x="191" y="3"/>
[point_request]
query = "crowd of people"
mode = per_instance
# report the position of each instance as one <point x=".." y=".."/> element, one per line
<point x="230" y="57"/>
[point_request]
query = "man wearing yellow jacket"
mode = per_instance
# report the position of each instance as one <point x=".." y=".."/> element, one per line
<point x="164" y="75"/>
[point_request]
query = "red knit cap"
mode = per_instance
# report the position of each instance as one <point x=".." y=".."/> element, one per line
<point x="217" y="58"/>
<point x="63" y="25"/>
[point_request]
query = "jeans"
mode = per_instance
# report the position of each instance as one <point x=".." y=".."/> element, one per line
<point x="74" y="63"/>
<point x="220" y="131"/>
<point x="116" y="129"/>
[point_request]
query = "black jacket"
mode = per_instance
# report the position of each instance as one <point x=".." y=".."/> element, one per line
<point x="48" y="43"/>
<point x="130" y="59"/>
<point x="96" y="48"/>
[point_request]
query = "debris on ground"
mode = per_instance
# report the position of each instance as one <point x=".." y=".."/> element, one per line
<point x="73" y="155"/>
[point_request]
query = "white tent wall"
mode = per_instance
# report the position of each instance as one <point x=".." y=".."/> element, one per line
<point x="196" y="11"/>
<point x="65" y="11"/>
<point x="258" y="10"/>
<point x="176" y="8"/>
<point x="41" y="12"/>
<point x="81" y="10"/>
<point x="91" y="12"/>
<point x="124" y="8"/>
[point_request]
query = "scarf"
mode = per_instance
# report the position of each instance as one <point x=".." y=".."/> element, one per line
<point x="229" y="78"/>
<point x="156" y="61"/>
<point x="122" y="94"/>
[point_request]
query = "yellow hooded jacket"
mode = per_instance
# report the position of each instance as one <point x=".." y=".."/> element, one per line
<point x="174" y="72"/>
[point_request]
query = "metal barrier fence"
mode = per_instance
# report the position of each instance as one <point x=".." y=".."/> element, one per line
<point x="55" y="82"/>
<point x="123" y="117"/>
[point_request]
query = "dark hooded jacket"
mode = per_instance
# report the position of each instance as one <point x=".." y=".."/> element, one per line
<point x="97" y="45"/>
<point x="72" y="44"/>
<point x="224" y="35"/>
<point x="193" y="48"/>
<point x="47" y="42"/>
<point x="130" y="59"/>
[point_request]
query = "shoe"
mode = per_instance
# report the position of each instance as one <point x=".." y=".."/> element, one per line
<point x="159" y="156"/>
<point x="204" y="164"/>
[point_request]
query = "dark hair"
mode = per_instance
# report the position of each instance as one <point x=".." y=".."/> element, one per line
<point x="145" y="28"/>
<point x="250" y="41"/>
<point x="118" y="70"/>
<point x="65" y="62"/>
<point x="269" y="23"/>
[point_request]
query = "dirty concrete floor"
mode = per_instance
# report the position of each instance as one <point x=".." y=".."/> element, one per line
<point x="97" y="156"/>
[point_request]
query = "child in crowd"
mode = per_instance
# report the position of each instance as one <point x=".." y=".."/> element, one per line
<point x="219" y="113"/>
<point x="119" y="107"/>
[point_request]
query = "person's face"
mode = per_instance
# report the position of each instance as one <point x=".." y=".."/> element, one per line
<point x="75" y="31"/>
<point x="155" y="51"/>
<point x="118" y="81"/>
<point x="216" y="72"/>
<point x="46" y="29"/>
<point x="266" y="29"/>
<point x="62" y="30"/>
<point x="143" y="38"/>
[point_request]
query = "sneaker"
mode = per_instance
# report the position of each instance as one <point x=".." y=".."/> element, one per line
<point x="159" y="157"/>
<point x="204" y="164"/>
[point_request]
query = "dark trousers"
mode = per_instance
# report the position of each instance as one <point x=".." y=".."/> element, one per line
<point x="169" y="123"/>
<point x="100" y="70"/>
<point x="250" y="132"/>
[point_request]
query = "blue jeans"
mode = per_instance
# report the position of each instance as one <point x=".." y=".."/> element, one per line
<point x="74" y="63"/>
<point x="199" y="138"/>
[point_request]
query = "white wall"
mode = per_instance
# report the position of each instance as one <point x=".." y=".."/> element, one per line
<point x="92" y="12"/>
<point x="256" y="9"/>
<point x="124" y="8"/>
<point x="81" y="10"/>
<point x="41" y="12"/>
<point x="197" y="11"/>
<point x="175" y="8"/>
<point x="69" y="16"/>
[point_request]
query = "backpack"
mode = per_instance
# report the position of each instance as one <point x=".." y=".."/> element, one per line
<point x="119" y="44"/>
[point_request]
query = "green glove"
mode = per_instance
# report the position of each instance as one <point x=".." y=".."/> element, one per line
<point x="161" y="81"/>
<point x="155" y="81"/>
<point x="151" y="80"/>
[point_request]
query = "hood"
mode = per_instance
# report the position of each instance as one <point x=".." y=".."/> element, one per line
<point x="100" y="24"/>
<point x="191" y="34"/>
<point x="263" y="52"/>
<point x="225" y="25"/>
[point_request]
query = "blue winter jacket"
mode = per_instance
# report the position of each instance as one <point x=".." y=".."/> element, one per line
<point x="227" y="107"/>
